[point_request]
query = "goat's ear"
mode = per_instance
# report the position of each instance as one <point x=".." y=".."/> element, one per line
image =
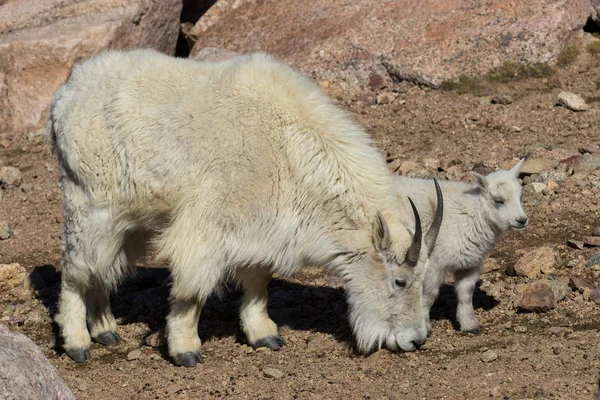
<point x="381" y="234"/>
<point x="480" y="180"/>
<point x="515" y="170"/>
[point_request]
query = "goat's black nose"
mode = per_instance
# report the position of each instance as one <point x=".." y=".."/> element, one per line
<point x="522" y="221"/>
<point x="418" y="343"/>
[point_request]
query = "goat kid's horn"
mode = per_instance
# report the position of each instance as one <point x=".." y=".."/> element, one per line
<point x="434" y="229"/>
<point x="415" y="247"/>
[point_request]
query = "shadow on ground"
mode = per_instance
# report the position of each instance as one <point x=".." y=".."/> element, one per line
<point x="145" y="299"/>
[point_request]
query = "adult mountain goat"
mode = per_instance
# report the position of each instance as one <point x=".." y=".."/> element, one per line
<point x="475" y="216"/>
<point x="238" y="169"/>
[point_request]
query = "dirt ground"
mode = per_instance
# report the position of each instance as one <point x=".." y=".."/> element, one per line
<point x="555" y="354"/>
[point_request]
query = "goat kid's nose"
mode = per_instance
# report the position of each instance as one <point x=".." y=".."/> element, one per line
<point x="419" y="342"/>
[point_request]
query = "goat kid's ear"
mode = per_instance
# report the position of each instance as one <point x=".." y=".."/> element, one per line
<point x="480" y="180"/>
<point x="381" y="234"/>
<point x="515" y="170"/>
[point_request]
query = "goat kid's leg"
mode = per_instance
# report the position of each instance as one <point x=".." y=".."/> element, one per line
<point x="71" y="318"/>
<point x="260" y="330"/>
<point x="431" y="289"/>
<point x="465" y="286"/>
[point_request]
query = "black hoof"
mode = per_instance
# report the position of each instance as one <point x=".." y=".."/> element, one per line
<point x="79" y="355"/>
<point x="107" y="338"/>
<point x="188" y="359"/>
<point x="271" y="342"/>
<point x="475" y="331"/>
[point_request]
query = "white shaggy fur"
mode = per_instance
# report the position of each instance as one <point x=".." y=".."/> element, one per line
<point x="238" y="168"/>
<point x="475" y="215"/>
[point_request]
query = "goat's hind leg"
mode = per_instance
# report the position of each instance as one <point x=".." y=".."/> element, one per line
<point x="90" y="249"/>
<point x="260" y="330"/>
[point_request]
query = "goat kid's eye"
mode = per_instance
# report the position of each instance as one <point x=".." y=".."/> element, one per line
<point x="400" y="283"/>
<point x="498" y="201"/>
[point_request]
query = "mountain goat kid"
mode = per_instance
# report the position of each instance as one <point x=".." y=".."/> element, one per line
<point x="236" y="169"/>
<point x="475" y="215"/>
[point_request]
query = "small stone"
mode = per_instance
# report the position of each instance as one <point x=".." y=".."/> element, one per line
<point x="5" y="230"/>
<point x="596" y="230"/>
<point x="572" y="101"/>
<point x="536" y="166"/>
<point x="579" y="284"/>
<point x="538" y="187"/>
<point x="156" y="339"/>
<point x="502" y="98"/>
<point x="595" y="295"/>
<point x="10" y="177"/>
<point x="560" y="287"/>
<point x="386" y="97"/>
<point x="556" y="330"/>
<point x="394" y="165"/>
<point x="591" y="241"/>
<point x="489" y="356"/>
<point x="586" y="163"/>
<point x="432" y="163"/>
<point x="12" y="275"/>
<point x="408" y="166"/>
<point x="520" y="329"/>
<point x="490" y="265"/>
<point x="273" y="373"/>
<point x="536" y="262"/>
<point x="593" y="260"/>
<point x="551" y="187"/>
<point x="575" y="244"/>
<point x="262" y="350"/>
<point x="134" y="354"/>
<point x="537" y="297"/>
<point x="376" y="82"/>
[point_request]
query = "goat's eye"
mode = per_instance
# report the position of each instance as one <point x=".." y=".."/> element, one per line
<point x="400" y="282"/>
<point x="498" y="201"/>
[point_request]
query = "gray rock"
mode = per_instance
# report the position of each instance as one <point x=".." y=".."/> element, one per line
<point x="593" y="260"/>
<point x="273" y="373"/>
<point x="596" y="230"/>
<point x="25" y="373"/>
<point x="595" y="295"/>
<point x="489" y="356"/>
<point x="5" y="230"/>
<point x="134" y="354"/>
<point x="536" y="166"/>
<point x="575" y="244"/>
<point x="572" y="101"/>
<point x="560" y="287"/>
<point x="502" y="98"/>
<point x="587" y="163"/>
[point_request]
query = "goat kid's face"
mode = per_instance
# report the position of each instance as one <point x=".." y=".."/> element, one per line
<point x="386" y="299"/>
<point x="502" y="193"/>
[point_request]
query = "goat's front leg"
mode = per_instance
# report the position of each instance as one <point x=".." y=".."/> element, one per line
<point x="260" y="330"/>
<point x="465" y="286"/>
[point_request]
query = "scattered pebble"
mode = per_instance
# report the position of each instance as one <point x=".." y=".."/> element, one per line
<point x="595" y="295"/>
<point x="593" y="260"/>
<point x="596" y="230"/>
<point x="572" y="101"/>
<point x="156" y="339"/>
<point x="502" y="98"/>
<point x="12" y="275"/>
<point x="134" y="354"/>
<point x="587" y="163"/>
<point x="520" y="329"/>
<point x="5" y="230"/>
<point x="591" y="241"/>
<point x="273" y="373"/>
<point x="10" y="176"/>
<point x="489" y="356"/>
<point x="536" y="262"/>
<point x="536" y="166"/>
<point x="575" y="244"/>
<point x="579" y="284"/>
<point x="536" y="297"/>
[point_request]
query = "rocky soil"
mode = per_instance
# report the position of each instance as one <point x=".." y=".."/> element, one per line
<point x="538" y="298"/>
